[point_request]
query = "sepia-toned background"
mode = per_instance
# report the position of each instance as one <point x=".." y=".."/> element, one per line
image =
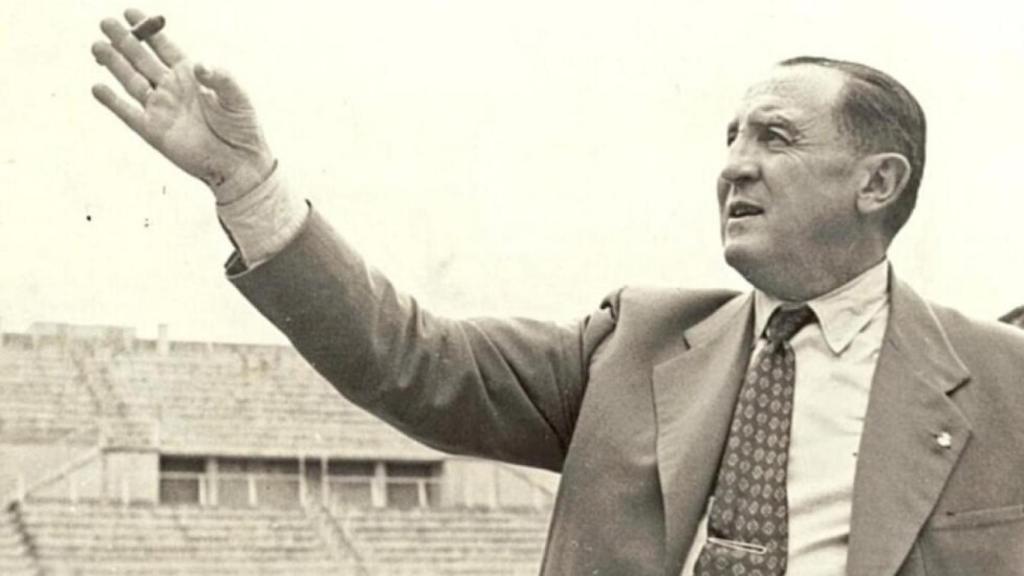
<point x="492" y="157"/>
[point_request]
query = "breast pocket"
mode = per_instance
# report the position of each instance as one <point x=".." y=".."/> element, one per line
<point x="986" y="542"/>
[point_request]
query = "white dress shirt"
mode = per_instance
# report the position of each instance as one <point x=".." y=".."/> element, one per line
<point x="263" y="221"/>
<point x="835" y="357"/>
<point x="835" y="360"/>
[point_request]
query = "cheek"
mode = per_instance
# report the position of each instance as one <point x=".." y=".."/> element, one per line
<point x="793" y="196"/>
<point x="806" y="198"/>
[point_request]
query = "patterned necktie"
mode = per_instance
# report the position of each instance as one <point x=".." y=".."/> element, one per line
<point x="748" y="531"/>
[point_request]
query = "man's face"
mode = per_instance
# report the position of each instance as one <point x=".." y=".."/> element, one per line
<point x="787" y="193"/>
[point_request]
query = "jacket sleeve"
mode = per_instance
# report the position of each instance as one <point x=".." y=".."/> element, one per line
<point x="503" y="389"/>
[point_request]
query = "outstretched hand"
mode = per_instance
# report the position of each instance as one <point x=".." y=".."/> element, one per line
<point x="200" y="119"/>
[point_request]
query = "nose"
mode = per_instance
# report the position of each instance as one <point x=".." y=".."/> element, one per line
<point x="741" y="169"/>
<point x="741" y="166"/>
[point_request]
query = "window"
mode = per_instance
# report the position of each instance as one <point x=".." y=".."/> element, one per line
<point x="279" y="482"/>
<point x="182" y="480"/>
<point x="351" y="483"/>
<point x="362" y="484"/>
<point x="233" y="490"/>
<point x="258" y="482"/>
<point x="413" y="485"/>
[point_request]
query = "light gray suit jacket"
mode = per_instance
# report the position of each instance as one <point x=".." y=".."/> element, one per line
<point x="633" y="404"/>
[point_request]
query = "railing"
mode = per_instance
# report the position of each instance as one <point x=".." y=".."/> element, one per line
<point x="337" y="538"/>
<point x="26" y="488"/>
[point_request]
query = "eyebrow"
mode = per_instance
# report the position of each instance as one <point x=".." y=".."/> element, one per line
<point x="772" y="119"/>
<point x="764" y="119"/>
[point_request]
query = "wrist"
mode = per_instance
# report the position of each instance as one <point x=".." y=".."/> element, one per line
<point x="245" y="178"/>
<point x="262" y="222"/>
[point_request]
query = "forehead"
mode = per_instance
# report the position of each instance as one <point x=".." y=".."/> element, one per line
<point x="801" y="92"/>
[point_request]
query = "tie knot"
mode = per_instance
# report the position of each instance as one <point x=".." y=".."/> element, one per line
<point x="784" y="323"/>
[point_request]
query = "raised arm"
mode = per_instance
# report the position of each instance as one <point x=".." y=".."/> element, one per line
<point x="505" y="389"/>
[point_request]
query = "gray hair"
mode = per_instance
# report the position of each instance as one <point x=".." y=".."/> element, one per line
<point x="878" y="114"/>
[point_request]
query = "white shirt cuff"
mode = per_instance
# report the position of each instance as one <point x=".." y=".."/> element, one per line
<point x="263" y="221"/>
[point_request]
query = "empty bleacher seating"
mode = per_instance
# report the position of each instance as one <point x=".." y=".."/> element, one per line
<point x="44" y="399"/>
<point x="219" y="404"/>
<point x="464" y="542"/>
<point x="230" y="403"/>
<point x="95" y="539"/>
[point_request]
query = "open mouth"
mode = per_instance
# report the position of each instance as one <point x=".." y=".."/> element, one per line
<point x="742" y="209"/>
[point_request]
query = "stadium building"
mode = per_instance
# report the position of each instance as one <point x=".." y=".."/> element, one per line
<point x="124" y="456"/>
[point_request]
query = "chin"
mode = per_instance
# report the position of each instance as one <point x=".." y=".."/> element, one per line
<point x="741" y="255"/>
<point x="748" y="259"/>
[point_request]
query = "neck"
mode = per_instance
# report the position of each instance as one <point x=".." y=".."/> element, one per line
<point x="813" y="282"/>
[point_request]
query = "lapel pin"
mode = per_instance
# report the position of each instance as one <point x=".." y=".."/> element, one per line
<point x="944" y="439"/>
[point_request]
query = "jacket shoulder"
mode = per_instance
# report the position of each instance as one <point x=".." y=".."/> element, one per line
<point x="983" y="344"/>
<point x="665" y="308"/>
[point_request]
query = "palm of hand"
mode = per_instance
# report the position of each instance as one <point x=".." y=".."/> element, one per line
<point x="199" y="132"/>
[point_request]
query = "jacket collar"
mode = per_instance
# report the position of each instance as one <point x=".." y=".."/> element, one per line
<point x="694" y="394"/>
<point x="913" y="436"/>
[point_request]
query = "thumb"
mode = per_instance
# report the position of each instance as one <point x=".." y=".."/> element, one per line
<point x="223" y="84"/>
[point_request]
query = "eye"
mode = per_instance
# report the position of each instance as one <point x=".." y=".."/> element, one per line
<point x="730" y="136"/>
<point x="775" y="135"/>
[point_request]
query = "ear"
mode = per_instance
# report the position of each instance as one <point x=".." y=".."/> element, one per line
<point x="885" y="178"/>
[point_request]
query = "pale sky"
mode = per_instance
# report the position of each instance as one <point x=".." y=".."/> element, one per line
<point x="492" y="157"/>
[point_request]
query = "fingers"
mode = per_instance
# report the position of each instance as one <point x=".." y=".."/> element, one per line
<point x="168" y="53"/>
<point x="135" y="53"/>
<point x="134" y="83"/>
<point x="221" y="82"/>
<point x="131" y="115"/>
<point x="148" y="27"/>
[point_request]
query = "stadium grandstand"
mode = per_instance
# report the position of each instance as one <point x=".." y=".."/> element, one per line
<point x="128" y="456"/>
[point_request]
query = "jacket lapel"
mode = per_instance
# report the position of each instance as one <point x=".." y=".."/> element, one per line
<point x="913" y="436"/>
<point x="694" y="396"/>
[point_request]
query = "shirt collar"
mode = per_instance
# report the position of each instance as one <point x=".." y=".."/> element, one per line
<point x="842" y="313"/>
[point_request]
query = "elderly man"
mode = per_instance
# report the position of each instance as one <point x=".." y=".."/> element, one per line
<point x="829" y="422"/>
